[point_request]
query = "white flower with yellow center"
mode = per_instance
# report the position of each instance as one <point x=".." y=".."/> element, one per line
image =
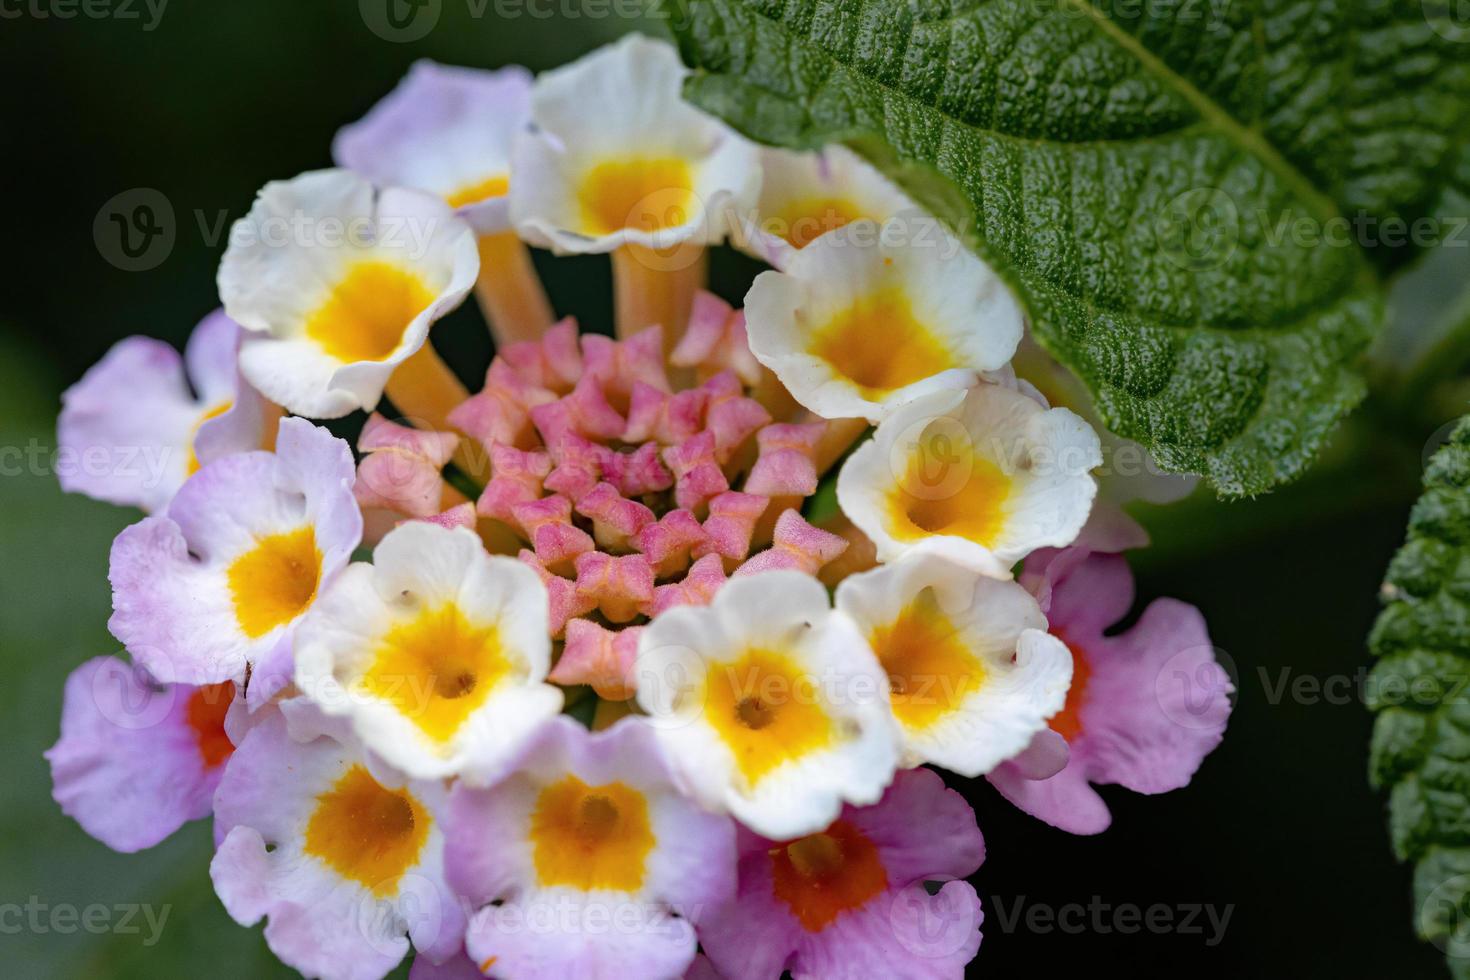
<point x="337" y="283"/>
<point x="617" y="156"/>
<point x="212" y="587"/>
<point x="865" y="318"/>
<point x="805" y="195"/>
<point x="437" y="652"/>
<point x="587" y="861"/>
<point x="344" y="858"/>
<point x="985" y="476"/>
<point x="972" y="672"/>
<point x="770" y="705"/>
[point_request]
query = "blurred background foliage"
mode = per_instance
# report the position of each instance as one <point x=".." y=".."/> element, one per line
<point x="218" y="98"/>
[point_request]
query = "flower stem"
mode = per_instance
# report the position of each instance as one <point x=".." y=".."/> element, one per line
<point x="510" y="293"/>
<point x="657" y="286"/>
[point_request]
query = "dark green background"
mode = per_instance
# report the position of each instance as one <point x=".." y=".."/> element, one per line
<point x="221" y="97"/>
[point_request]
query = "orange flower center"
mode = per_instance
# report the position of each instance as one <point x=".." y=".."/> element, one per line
<point x="767" y="711"/>
<point x="803" y="221"/>
<point x="821" y="876"/>
<point x="206" y="715"/>
<point x="931" y="671"/>
<point x="951" y="490"/>
<point x="366" y="833"/>
<point x="880" y="346"/>
<point x="1068" y="722"/>
<point x="274" y="581"/>
<point x="592" y="838"/>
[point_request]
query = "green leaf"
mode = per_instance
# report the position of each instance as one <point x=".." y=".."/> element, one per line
<point x="1420" y="690"/>
<point x="1164" y="184"/>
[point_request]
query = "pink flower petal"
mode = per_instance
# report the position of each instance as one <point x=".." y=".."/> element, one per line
<point x="715" y="341"/>
<point x="597" y="656"/>
<point x="667" y="544"/>
<point x="615" y="519"/>
<point x="553" y="362"/>
<point x="797" y="545"/>
<point x="730" y="525"/>
<point x="697" y="472"/>
<point x="698" y="587"/>
<point x="786" y="466"/>
<point x="621" y="586"/>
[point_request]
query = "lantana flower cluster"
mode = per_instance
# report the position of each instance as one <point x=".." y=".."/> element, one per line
<point x="585" y="673"/>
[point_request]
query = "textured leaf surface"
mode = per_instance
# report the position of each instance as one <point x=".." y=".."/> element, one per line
<point x="1155" y="179"/>
<point x="1420" y="689"/>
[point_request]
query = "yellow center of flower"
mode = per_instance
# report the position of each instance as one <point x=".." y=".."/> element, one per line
<point x="593" y="838"/>
<point x="802" y="221"/>
<point x="437" y="669"/>
<point x="767" y="711"/>
<point x="949" y="489"/>
<point x="274" y="581"/>
<point x="823" y="875"/>
<point x="647" y="194"/>
<point x="930" y="670"/>
<point x="364" y="317"/>
<point x="191" y="466"/>
<point x="497" y="186"/>
<point x="880" y="346"/>
<point x="366" y="833"/>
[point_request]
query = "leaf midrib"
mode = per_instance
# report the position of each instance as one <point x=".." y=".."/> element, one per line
<point x="1212" y="112"/>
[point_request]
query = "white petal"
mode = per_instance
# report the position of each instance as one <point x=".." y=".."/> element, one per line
<point x="422" y="570"/>
<point x="994" y="473"/>
<point x="864" y="319"/>
<point x="686" y="654"/>
<point x="300" y="243"/>
<point x="804" y="195"/>
<point x="1004" y="675"/>
<point x="619" y="105"/>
